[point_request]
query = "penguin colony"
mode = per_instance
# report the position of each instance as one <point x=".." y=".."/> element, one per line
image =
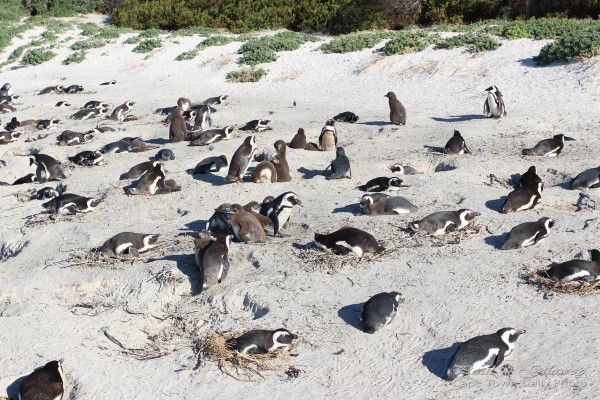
<point x="258" y="221"/>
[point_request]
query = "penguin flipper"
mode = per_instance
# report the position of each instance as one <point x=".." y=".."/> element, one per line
<point x="134" y="251"/>
<point x="225" y="262"/>
<point x="499" y="359"/>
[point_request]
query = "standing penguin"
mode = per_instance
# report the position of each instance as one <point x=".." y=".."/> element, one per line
<point x="328" y="138"/>
<point x="280" y="162"/>
<point x="548" y="147"/>
<point x="381" y="184"/>
<point x="577" y="269"/>
<point x="523" y="198"/>
<point x="212" y="257"/>
<point x="397" y="110"/>
<point x="279" y="209"/>
<point x="588" y="179"/>
<point x="379" y="310"/>
<point x="150" y="181"/>
<point x="45" y="383"/>
<point x="48" y="169"/>
<point x="348" y="239"/>
<point x="241" y="159"/>
<point x="486" y="351"/>
<point x="262" y="341"/>
<point x="299" y="140"/>
<point x="340" y="167"/>
<point x="456" y="145"/>
<point x="178" y="131"/>
<point x="130" y="242"/>
<point x="530" y="179"/>
<point x="528" y="234"/>
<point x="493" y="107"/>
<point x="442" y="222"/>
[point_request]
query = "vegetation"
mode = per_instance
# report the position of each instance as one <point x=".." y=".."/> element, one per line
<point x="208" y="42"/>
<point x="195" y="30"/>
<point x="404" y="43"/>
<point x="353" y="42"/>
<point x="86" y="44"/>
<point x="571" y="46"/>
<point x="37" y="56"/>
<point x="246" y="75"/>
<point x="477" y="42"/>
<point x="147" y="46"/>
<point x="75" y="58"/>
<point x="264" y="49"/>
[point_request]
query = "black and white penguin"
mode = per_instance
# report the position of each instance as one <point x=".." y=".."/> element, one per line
<point x="548" y="147"/>
<point x="140" y="169"/>
<point x="6" y="90"/>
<point x="210" y="164"/>
<point x="212" y="258"/>
<point x="328" y="139"/>
<point x="73" y="89"/>
<point x="53" y="89"/>
<point x="456" y="145"/>
<point x="340" y="167"/>
<point x="122" y="112"/>
<point x="279" y="209"/>
<point x="577" y="269"/>
<point x="89" y="113"/>
<point x="528" y="234"/>
<point x="9" y="137"/>
<point x="7" y="108"/>
<point x="486" y="351"/>
<point x="381" y="184"/>
<point x="404" y="169"/>
<point x="9" y="99"/>
<point x="96" y="104"/>
<point x="47" y="123"/>
<point x="531" y="179"/>
<point x="380" y="310"/>
<point x="386" y="205"/>
<point x="588" y="179"/>
<point x="130" y="242"/>
<point x="203" y="118"/>
<point x="69" y="204"/>
<point x="63" y="104"/>
<point x="241" y="160"/>
<point x="262" y="341"/>
<point x="348" y="239"/>
<point x="442" y="222"/>
<point x="397" y="110"/>
<point x="523" y="198"/>
<point x="493" y="107"/>
<point x="70" y="138"/>
<point x="29" y="178"/>
<point x="109" y="83"/>
<point x="346" y="116"/>
<point x="165" y="155"/>
<point x="48" y="169"/>
<point x="212" y="136"/>
<point x="87" y="158"/>
<point x="257" y="125"/>
<point x="218" y="224"/>
<point x="217" y="100"/>
<point x="150" y="181"/>
<point x="120" y="146"/>
<point x="48" y="193"/>
<point x="101" y="129"/>
<point x="45" y="383"/>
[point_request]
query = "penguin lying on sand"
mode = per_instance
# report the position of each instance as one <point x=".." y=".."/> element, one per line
<point x="379" y="310"/>
<point x="262" y="341"/>
<point x="577" y="269"/>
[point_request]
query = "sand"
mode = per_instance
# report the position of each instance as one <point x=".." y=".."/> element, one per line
<point x="52" y="309"/>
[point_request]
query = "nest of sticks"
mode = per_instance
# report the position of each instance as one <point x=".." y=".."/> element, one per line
<point x="456" y="237"/>
<point x="543" y="282"/>
<point x="214" y="348"/>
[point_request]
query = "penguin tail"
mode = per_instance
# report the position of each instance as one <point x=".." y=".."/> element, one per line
<point x="451" y="374"/>
<point x="526" y="152"/>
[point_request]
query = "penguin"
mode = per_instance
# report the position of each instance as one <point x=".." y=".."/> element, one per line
<point x="48" y="169"/>
<point x="122" y="112"/>
<point x="241" y="159"/>
<point x="220" y="100"/>
<point x="109" y="83"/>
<point x="178" y="131"/>
<point x="149" y="182"/>
<point x="7" y="108"/>
<point x="386" y="205"/>
<point x="120" y="146"/>
<point x="524" y="198"/>
<point x="212" y="258"/>
<point x="404" y="169"/>
<point x="47" y="124"/>
<point x="73" y="89"/>
<point x="485" y="351"/>
<point x="257" y="125"/>
<point x="246" y="227"/>
<point x="380" y="310"/>
<point x="310" y="146"/>
<point x="29" y="178"/>
<point x="531" y="179"/>
<point x="87" y="158"/>
<point x="577" y="269"/>
<point x="101" y="129"/>
<point x="279" y="209"/>
<point x="588" y="179"/>
<point x="203" y="118"/>
<point x="442" y="222"/>
<point x="218" y="223"/>
<point x="132" y="243"/>
<point x="397" y="110"/>
<point x="6" y="90"/>
<point x="63" y="104"/>
<point x="70" y="204"/>
<point x="137" y="145"/>
<point x="548" y="147"/>
<point x="493" y="107"/>
<point x="348" y="239"/>
<point x="182" y="102"/>
<point x="456" y="145"/>
<point x="96" y="104"/>
<point x="262" y="341"/>
<point x="381" y="184"/>
<point x="213" y="136"/>
<point x="9" y="137"/>
<point x="346" y="116"/>
<point x="280" y="162"/>
<point x="528" y="234"/>
<point x="89" y="113"/>
<point x="328" y="138"/>
<point x="9" y="99"/>
<point x="210" y="164"/>
<point x="167" y="186"/>
<point x="299" y="140"/>
<point x="45" y="383"/>
<point x="48" y="193"/>
<point x="264" y="172"/>
<point x="340" y="167"/>
<point x="70" y="138"/>
<point x="165" y="155"/>
<point x="53" y="89"/>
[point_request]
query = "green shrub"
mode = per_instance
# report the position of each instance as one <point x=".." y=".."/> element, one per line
<point x="215" y="41"/>
<point x="352" y="42"/>
<point x="18" y="52"/>
<point x="569" y="47"/>
<point x="147" y="46"/>
<point x="89" y="29"/>
<point x="110" y="32"/>
<point x="264" y="49"/>
<point x="49" y="36"/>
<point x="87" y="44"/>
<point x="478" y="42"/>
<point x="37" y="56"/>
<point x="515" y="31"/>
<point x="408" y="43"/>
<point x="195" y="30"/>
<point x="11" y="11"/>
<point x="246" y="75"/>
<point x="188" y="55"/>
<point x="75" y="58"/>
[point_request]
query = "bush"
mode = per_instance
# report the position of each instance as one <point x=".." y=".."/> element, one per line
<point x="37" y="56"/>
<point x="573" y="45"/>
<point x="408" y="43"/>
<point x="216" y="41"/>
<point x="75" y="58"/>
<point x="11" y="11"/>
<point x="353" y="42"/>
<point x="478" y="42"/>
<point x="147" y="46"/>
<point x="246" y="75"/>
<point x="264" y="49"/>
<point x="195" y="30"/>
<point x="87" y="44"/>
<point x="188" y="55"/>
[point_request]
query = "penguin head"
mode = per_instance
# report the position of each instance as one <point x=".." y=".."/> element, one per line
<point x="398" y="297"/>
<point x="395" y="181"/>
<point x="492" y="88"/>
<point x="283" y="336"/>
<point x="547" y="222"/>
<point x="184" y="103"/>
<point x="301" y="132"/>
<point x="340" y="152"/>
<point x="59" y="88"/>
<point x="129" y="104"/>
<point x="330" y="122"/>
<point x="355" y="118"/>
<point x="532" y="170"/>
<point x="280" y="146"/>
<point x="151" y="239"/>
<point x="251" y="141"/>
<point x="32" y="160"/>
<point x="222" y="98"/>
<point x="390" y="95"/>
<point x="55" y="366"/>
<point x="229" y="130"/>
<point x="457" y="133"/>
<point x="290" y="200"/>
<point x="467" y="215"/>
<point x="6" y="86"/>
<point x="366" y="200"/>
<point x="397" y="167"/>
<point x="87" y="137"/>
<point x="15" y="135"/>
<point x="510" y="335"/>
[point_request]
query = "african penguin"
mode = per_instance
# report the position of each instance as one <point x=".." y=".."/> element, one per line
<point x="397" y="110"/>
<point x="381" y="184"/>
<point x="280" y="162"/>
<point x="70" y="138"/>
<point x="404" y="169"/>
<point x="523" y="198"/>
<point x="257" y="125"/>
<point x="299" y="140"/>
<point x="379" y="310"/>
<point x="203" y="117"/>
<point x="149" y="182"/>
<point x="212" y="258"/>
<point x="210" y="164"/>
<point x="63" y="104"/>
<point x="262" y="341"/>
<point x="530" y="179"/>
<point x="220" y="100"/>
<point x="53" y="89"/>
<point x="87" y="158"/>
<point x="218" y="223"/>
<point x="89" y="113"/>
<point x="486" y="351"/>
<point x="48" y="193"/>
<point x="130" y="242"/>
<point x="165" y="155"/>
<point x="109" y="83"/>
<point x="588" y="179"/>
<point x="348" y="240"/>
<point x="246" y="226"/>
<point x="346" y="116"/>
<point x="340" y="167"/>
<point x="9" y="137"/>
<point x="442" y="222"/>
<point x="48" y="169"/>
<point x="279" y="209"/>
<point x="7" y="108"/>
<point x="47" y="123"/>
<point x="74" y="89"/>
<point x="241" y="159"/>
<point x="6" y="90"/>
<point x="328" y="139"/>
<point x="9" y="99"/>
<point x="121" y="112"/>
<point x="178" y="131"/>
<point x="45" y="383"/>
<point x="494" y="104"/>
<point x="577" y="269"/>
<point x="528" y="234"/>
<point x="212" y="136"/>
<point x="386" y="205"/>
<point x="96" y="104"/>
<point x="29" y="178"/>
<point x="120" y="146"/>
<point x="548" y="147"/>
<point x="69" y="204"/>
<point x="456" y="145"/>
<point x="310" y="146"/>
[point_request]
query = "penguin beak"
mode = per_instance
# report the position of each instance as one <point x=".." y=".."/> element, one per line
<point x="476" y="214"/>
<point x="520" y="331"/>
<point x="570" y="139"/>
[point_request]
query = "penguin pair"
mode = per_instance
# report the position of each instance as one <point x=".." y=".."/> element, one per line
<point x="328" y="139"/>
<point x="262" y="341"/>
<point x="90" y="113"/>
<point x="456" y="145"/>
<point x="381" y="184"/>
<point x="47" y="168"/>
<point x="47" y="193"/>
<point x="71" y="138"/>
<point x="241" y="160"/>
<point x="494" y="107"/>
<point x="548" y="147"/>
<point x="45" y="383"/>
<point x="528" y="234"/>
<point x="9" y="137"/>
<point x="577" y="269"/>
<point x="348" y="240"/>
<point x="523" y="198"/>
<point x="442" y="222"/>
<point x="382" y="204"/>
<point x="299" y="142"/>
<point x="279" y="209"/>
<point x="588" y="179"/>
<point x="130" y="243"/>
<point x="71" y="204"/>
<point x="380" y="310"/>
<point x="274" y="170"/>
<point x="212" y="136"/>
<point x="340" y="167"/>
<point x="212" y="258"/>
<point x="152" y="180"/>
<point x="178" y="131"/>
<point x="87" y="158"/>
<point x="127" y="145"/>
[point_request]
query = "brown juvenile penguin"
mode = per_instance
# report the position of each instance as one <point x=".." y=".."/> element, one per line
<point x="264" y="172"/>
<point x="245" y="225"/>
<point x="280" y="162"/>
<point x="397" y="110"/>
<point x="178" y="131"/>
<point x="299" y="140"/>
<point x="310" y="146"/>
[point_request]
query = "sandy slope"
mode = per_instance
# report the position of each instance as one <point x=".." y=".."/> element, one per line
<point x="452" y="292"/>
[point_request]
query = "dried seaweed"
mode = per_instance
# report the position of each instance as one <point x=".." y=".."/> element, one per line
<point x="544" y="283"/>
